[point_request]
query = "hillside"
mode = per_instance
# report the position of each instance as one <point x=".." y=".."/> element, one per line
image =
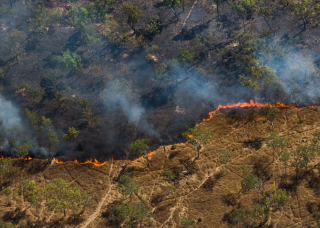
<point x="104" y="113"/>
<point x="205" y="191"/>
<point x="117" y="71"/>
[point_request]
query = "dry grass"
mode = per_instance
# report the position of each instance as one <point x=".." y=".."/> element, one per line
<point x="204" y="191"/>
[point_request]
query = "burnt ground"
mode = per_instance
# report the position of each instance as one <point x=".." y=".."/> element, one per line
<point x="210" y="79"/>
<point x="204" y="190"/>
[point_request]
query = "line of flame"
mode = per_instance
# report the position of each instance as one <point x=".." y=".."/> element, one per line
<point x="250" y="104"/>
<point x="239" y="104"/>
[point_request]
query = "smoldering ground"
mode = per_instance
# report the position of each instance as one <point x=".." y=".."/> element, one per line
<point x="133" y="102"/>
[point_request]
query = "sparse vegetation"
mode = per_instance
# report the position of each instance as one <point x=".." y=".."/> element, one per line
<point x="276" y="141"/>
<point x="133" y="13"/>
<point x="128" y="186"/>
<point x="170" y="175"/>
<point x="71" y="135"/>
<point x="197" y="137"/>
<point x="23" y="150"/>
<point x="115" y="78"/>
<point x="5" y="166"/>
<point x="270" y="112"/>
<point x="188" y="222"/>
<point x="301" y="157"/>
<point x="225" y="157"/>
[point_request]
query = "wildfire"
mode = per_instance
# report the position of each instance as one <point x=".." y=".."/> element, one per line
<point x="95" y="162"/>
<point x="91" y="161"/>
<point x="247" y="105"/>
<point x="22" y="158"/>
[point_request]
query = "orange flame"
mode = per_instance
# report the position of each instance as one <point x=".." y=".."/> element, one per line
<point x="239" y="104"/>
<point x="22" y="158"/>
<point x="91" y="161"/>
<point x="249" y="104"/>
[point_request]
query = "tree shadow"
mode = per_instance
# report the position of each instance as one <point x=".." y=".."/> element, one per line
<point x="253" y="144"/>
<point x="156" y="200"/>
<point x="261" y="170"/>
<point x="14" y="216"/>
<point x="112" y="215"/>
<point x="211" y="182"/>
<point x="157" y="97"/>
<point x="189" y="34"/>
<point x="74" y="219"/>
<point x="173" y="155"/>
<point x="231" y="199"/>
<point x="37" y="166"/>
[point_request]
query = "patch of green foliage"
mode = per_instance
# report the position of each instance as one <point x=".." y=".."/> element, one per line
<point x="187" y="55"/>
<point x="78" y="18"/>
<point x="139" y="147"/>
<point x="154" y="26"/>
<point x="68" y="61"/>
<point x="71" y="135"/>
<point x="133" y="13"/>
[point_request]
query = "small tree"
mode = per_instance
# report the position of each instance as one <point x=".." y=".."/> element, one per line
<point x="7" y="191"/>
<point x="238" y="216"/>
<point x="133" y="13"/>
<point x="78" y="18"/>
<point x="154" y="26"/>
<point x="187" y="55"/>
<point x="316" y="140"/>
<point x="5" y="166"/>
<point x="84" y="103"/>
<point x="59" y="98"/>
<point x="23" y="150"/>
<point x="275" y="141"/>
<point x="139" y="148"/>
<point x="12" y="143"/>
<point x="93" y="120"/>
<point x="71" y="135"/>
<point x="61" y="196"/>
<point x="6" y="225"/>
<point x="170" y="189"/>
<point x="13" y="45"/>
<point x="301" y="157"/>
<point x="168" y="73"/>
<point x="51" y="138"/>
<point x="68" y="61"/>
<point x="30" y="192"/>
<point x="184" y="3"/>
<point x="197" y="137"/>
<point x="225" y="157"/>
<point x="270" y="112"/>
<point x="170" y="175"/>
<point x="188" y="222"/>
<point x="127" y="186"/>
<point x="249" y="181"/>
<point x="278" y="197"/>
<point x="285" y="157"/>
<point x="132" y="214"/>
<point x="85" y="200"/>
<point x="172" y="4"/>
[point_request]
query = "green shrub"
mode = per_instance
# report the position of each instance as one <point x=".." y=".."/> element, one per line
<point x="187" y="55"/>
<point x="174" y="146"/>
<point x="188" y="222"/>
<point x="170" y="175"/>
